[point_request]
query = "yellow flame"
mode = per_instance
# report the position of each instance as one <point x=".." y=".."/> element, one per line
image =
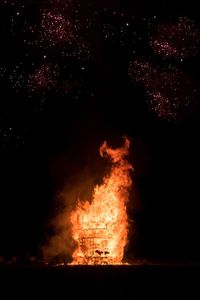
<point x="100" y="227"/>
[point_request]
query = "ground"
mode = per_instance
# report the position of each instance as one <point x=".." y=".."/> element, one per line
<point x="101" y="282"/>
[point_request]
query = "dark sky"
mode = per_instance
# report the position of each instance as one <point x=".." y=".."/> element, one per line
<point x="66" y="86"/>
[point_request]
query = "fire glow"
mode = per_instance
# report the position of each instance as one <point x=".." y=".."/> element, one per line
<point x="100" y="226"/>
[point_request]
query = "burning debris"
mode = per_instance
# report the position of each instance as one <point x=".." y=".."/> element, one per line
<point x="100" y="227"/>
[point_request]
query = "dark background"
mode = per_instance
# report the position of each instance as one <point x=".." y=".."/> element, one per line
<point x="62" y="139"/>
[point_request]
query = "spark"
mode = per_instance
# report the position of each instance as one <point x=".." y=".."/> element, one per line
<point x="169" y="90"/>
<point x="56" y="30"/>
<point x="43" y="78"/>
<point x="177" y="39"/>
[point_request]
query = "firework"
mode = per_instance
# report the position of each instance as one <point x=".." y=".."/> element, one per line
<point x="177" y="39"/>
<point x="169" y="91"/>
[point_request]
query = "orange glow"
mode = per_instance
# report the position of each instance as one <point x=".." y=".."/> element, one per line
<point x="100" y="227"/>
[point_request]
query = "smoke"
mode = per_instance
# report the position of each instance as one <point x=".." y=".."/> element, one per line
<point x="59" y="244"/>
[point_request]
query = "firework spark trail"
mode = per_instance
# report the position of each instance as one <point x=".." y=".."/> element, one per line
<point x="43" y="78"/>
<point x="169" y="91"/>
<point x="179" y="39"/>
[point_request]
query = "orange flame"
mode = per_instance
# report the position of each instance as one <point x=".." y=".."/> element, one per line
<point x="100" y="227"/>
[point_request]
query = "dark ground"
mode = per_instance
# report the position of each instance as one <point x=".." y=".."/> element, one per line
<point x="101" y="282"/>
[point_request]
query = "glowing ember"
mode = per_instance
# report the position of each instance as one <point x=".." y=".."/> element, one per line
<point x="100" y="228"/>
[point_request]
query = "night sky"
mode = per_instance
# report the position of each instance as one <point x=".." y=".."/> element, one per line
<point x="73" y="74"/>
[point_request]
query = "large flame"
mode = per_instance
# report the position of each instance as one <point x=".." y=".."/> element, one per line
<point x="100" y="227"/>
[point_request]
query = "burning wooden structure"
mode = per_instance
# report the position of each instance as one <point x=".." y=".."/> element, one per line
<point x="100" y="226"/>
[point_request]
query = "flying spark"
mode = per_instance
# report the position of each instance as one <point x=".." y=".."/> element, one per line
<point x="169" y="90"/>
<point x="177" y="39"/>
